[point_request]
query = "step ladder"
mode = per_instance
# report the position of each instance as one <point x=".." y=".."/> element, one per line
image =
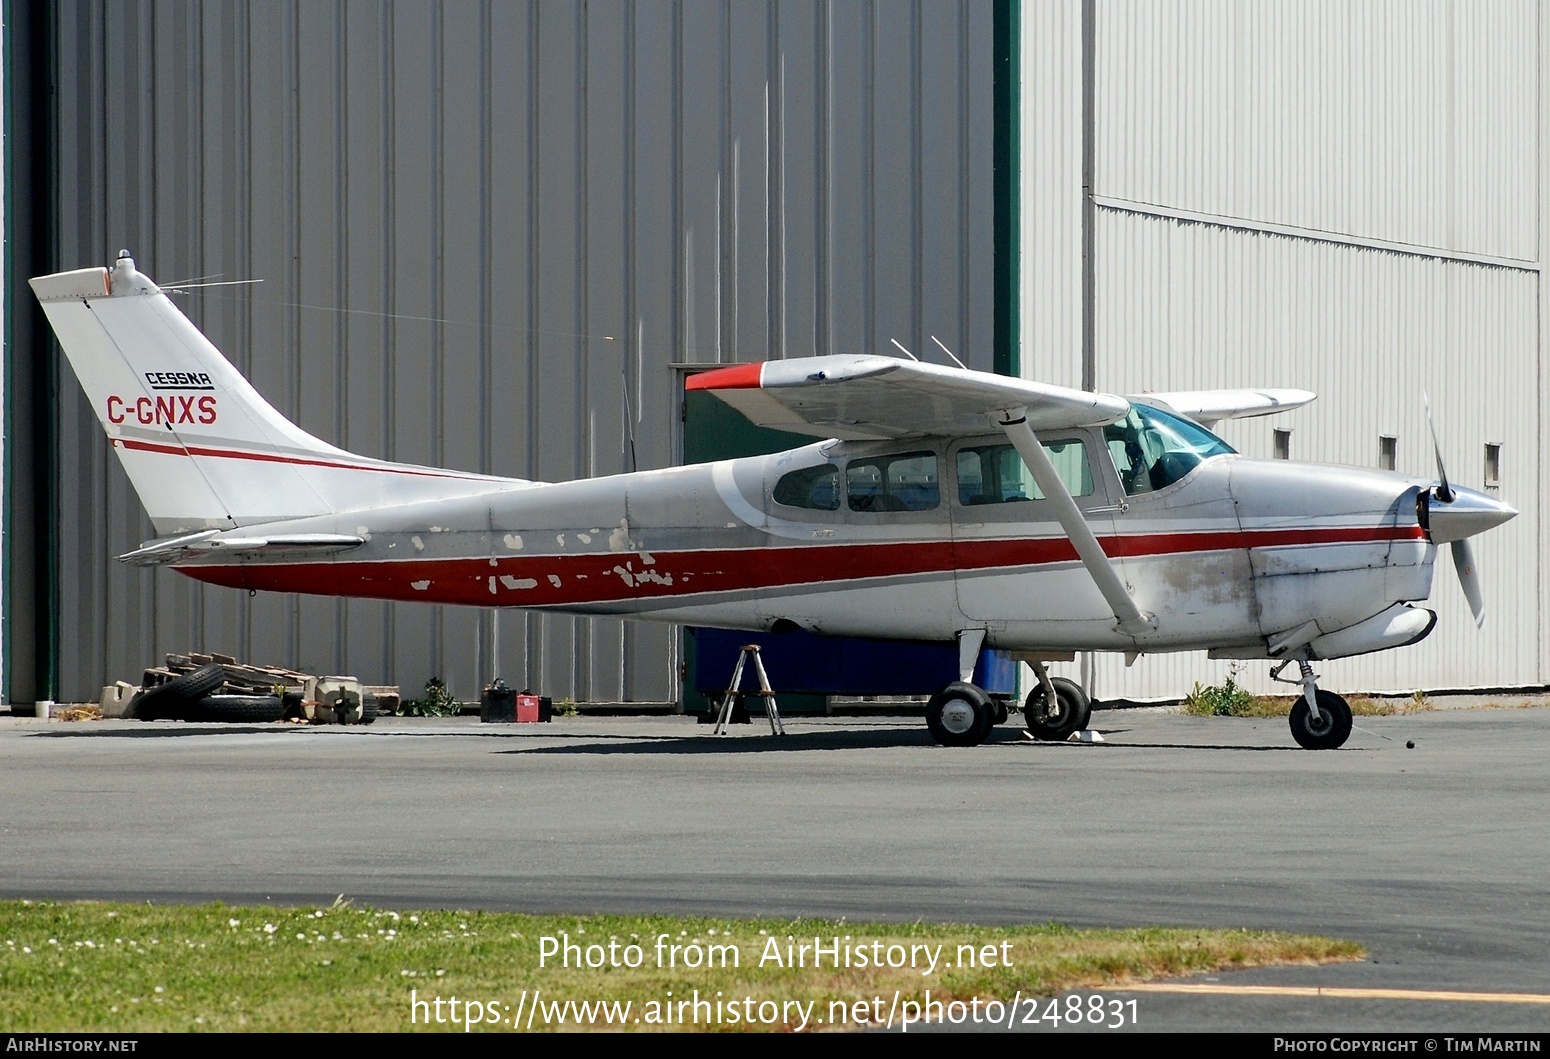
<point x="735" y="691"/>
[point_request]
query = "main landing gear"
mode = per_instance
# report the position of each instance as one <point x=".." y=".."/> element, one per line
<point x="962" y="714"/>
<point x="1320" y="720"/>
<point x="1056" y="708"/>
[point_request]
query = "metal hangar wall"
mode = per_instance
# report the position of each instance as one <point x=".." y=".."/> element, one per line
<point x="478" y="225"/>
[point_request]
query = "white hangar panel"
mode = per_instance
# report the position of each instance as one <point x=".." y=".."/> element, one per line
<point x="1050" y="194"/>
<point x="1188" y="305"/>
<point x="1394" y="120"/>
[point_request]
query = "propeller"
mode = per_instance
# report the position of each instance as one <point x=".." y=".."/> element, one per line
<point x="1469" y="578"/>
<point x="1463" y="554"/>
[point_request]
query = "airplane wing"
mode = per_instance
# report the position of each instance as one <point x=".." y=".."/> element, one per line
<point x="860" y="397"/>
<point x="1208" y="407"/>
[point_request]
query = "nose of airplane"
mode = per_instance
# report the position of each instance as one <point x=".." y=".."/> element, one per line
<point x="1463" y="515"/>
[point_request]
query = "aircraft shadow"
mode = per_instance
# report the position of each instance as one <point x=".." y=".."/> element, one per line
<point x="164" y="731"/>
<point x="642" y="745"/>
<point x="830" y="740"/>
<point x="743" y="744"/>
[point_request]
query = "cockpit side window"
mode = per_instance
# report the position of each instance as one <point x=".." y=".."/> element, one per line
<point x="906" y="481"/>
<point x="815" y="488"/>
<point x="1153" y="449"/>
<point x="996" y="474"/>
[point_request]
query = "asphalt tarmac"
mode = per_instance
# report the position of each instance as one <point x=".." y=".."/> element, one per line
<point x="1434" y="857"/>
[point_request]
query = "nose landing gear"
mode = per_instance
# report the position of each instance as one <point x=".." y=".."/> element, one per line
<point x="1320" y="720"/>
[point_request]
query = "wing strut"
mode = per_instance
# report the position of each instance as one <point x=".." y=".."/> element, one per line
<point x="1132" y="622"/>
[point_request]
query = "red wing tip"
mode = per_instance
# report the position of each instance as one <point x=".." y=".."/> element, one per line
<point x="735" y="377"/>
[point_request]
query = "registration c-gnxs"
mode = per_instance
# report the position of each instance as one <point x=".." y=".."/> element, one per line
<point x="172" y="409"/>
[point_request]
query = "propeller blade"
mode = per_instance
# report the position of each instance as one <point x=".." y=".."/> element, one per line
<point x="1444" y="490"/>
<point x="1469" y="578"/>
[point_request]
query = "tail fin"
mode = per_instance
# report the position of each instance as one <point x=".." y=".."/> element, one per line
<point x="201" y="447"/>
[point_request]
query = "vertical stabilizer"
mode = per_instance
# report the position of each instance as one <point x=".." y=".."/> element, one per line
<point x="202" y="448"/>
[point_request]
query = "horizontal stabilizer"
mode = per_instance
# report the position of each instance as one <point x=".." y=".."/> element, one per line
<point x="157" y="553"/>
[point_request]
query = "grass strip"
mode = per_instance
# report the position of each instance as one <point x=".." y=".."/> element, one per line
<point x="104" y="967"/>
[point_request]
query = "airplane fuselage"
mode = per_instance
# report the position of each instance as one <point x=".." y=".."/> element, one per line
<point x="898" y="540"/>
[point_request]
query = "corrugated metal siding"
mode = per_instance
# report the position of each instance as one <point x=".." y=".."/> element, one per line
<point x="1050" y="194"/>
<point x="1187" y="306"/>
<point x="1393" y="122"/>
<point x="1405" y="121"/>
<point x="517" y="204"/>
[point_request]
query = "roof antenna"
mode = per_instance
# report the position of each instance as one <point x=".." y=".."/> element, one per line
<point x="629" y="425"/>
<point x="949" y="352"/>
<point x="907" y="353"/>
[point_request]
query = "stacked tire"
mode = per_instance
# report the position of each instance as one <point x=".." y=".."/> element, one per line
<point x="174" y="700"/>
<point x="254" y="709"/>
<point x="191" y="697"/>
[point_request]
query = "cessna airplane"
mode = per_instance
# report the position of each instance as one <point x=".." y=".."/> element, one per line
<point x="940" y="504"/>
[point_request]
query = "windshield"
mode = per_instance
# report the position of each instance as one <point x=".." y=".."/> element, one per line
<point x="1152" y="448"/>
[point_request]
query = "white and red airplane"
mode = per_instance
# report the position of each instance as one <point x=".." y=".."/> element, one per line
<point x="942" y="505"/>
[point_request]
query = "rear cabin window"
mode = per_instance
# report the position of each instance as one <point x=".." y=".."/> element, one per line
<point x="814" y="488"/>
<point x="903" y="482"/>
<point x="996" y="474"/>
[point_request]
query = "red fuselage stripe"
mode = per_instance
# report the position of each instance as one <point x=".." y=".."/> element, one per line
<point x="273" y="457"/>
<point x="559" y="580"/>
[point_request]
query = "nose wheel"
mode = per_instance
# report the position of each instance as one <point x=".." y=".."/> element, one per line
<point x="1329" y="729"/>
<point x="1320" y="720"/>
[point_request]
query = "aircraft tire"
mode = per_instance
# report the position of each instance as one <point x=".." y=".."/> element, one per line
<point x="171" y="701"/>
<point x="1071" y="713"/>
<point x="241" y="708"/>
<point x="1335" y="726"/>
<point x="960" y="715"/>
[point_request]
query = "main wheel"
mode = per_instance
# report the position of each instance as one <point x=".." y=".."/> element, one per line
<point x="1057" y="721"/>
<point x="960" y="715"/>
<point x="1332" y="728"/>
